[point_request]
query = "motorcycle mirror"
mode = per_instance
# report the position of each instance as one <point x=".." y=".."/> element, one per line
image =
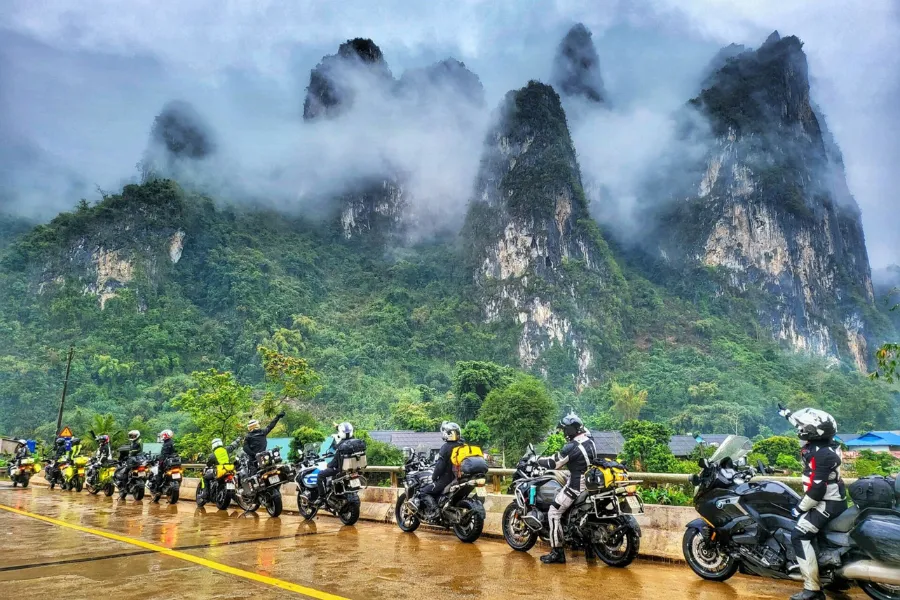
<point x="762" y="467"/>
<point x="742" y="462"/>
<point x="704" y="464"/>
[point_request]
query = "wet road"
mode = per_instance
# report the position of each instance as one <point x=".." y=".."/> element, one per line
<point x="220" y="551"/>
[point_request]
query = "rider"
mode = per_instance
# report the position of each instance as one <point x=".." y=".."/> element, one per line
<point x="220" y="456"/>
<point x="104" y="451"/>
<point x="59" y="451"/>
<point x="577" y="455"/>
<point x="136" y="448"/>
<point x="825" y="497"/>
<point x="167" y="450"/>
<point x="22" y="452"/>
<point x="344" y="433"/>
<point x="255" y="441"/>
<point x="74" y="449"/>
<point x="442" y="475"/>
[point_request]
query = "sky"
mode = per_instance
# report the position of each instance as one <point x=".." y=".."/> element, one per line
<point x="80" y="84"/>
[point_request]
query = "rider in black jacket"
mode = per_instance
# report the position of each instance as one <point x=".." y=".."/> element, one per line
<point x="576" y="455"/>
<point x="255" y="442"/>
<point x="167" y="450"/>
<point x="136" y="449"/>
<point x="21" y="453"/>
<point x="442" y="475"/>
<point x="825" y="497"/>
<point x="344" y="433"/>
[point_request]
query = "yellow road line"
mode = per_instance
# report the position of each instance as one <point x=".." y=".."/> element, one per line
<point x="209" y="564"/>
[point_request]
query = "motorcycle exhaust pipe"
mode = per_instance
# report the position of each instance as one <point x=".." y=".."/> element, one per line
<point x="871" y="570"/>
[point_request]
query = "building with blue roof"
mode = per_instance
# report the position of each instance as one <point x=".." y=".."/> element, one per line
<point x="877" y="441"/>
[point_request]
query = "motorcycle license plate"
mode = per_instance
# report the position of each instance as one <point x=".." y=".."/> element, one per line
<point x="354" y="483"/>
<point x="274" y="479"/>
<point x="229" y="486"/>
<point x="176" y="476"/>
<point x="481" y="492"/>
<point x="633" y="503"/>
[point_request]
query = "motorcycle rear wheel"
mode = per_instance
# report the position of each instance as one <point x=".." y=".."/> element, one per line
<point x="880" y="591"/>
<point x="109" y="489"/>
<point x="350" y="514"/>
<point x="25" y="481"/>
<point x="515" y="531"/>
<point x="223" y="499"/>
<point x="174" y="493"/>
<point x="707" y="560"/>
<point x="470" y="530"/>
<point x="274" y="504"/>
<point x="79" y="484"/>
<point x="405" y="521"/>
<point x="139" y="493"/>
<point x="305" y="507"/>
<point x="618" y="555"/>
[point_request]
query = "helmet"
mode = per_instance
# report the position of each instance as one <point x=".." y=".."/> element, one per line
<point x="450" y="431"/>
<point x="344" y="431"/>
<point x="813" y="424"/>
<point x="60" y="441"/>
<point x="571" y="425"/>
<point x="165" y="434"/>
<point x="76" y="441"/>
<point x="134" y="435"/>
<point x="253" y="424"/>
<point x="102" y="439"/>
<point x="22" y="442"/>
<point x="216" y="443"/>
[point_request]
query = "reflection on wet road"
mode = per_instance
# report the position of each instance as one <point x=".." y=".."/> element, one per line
<point x="366" y="561"/>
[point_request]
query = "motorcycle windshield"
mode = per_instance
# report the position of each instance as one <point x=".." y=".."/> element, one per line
<point x="735" y="447"/>
<point x="326" y="446"/>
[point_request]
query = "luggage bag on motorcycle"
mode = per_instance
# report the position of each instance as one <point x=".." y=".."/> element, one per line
<point x="604" y="473"/>
<point x="878" y="535"/>
<point x="873" y="491"/>
<point x="468" y="461"/>
<point x="353" y="446"/>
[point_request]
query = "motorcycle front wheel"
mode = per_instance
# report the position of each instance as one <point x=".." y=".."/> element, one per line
<point x="406" y="520"/>
<point x="707" y="559"/>
<point x="273" y="503"/>
<point x="880" y="591"/>
<point x="305" y="507"/>
<point x="246" y="505"/>
<point x="515" y="531"/>
<point x="472" y="525"/>
<point x="349" y="515"/>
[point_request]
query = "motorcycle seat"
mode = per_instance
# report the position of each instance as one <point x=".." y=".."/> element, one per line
<point x="845" y="522"/>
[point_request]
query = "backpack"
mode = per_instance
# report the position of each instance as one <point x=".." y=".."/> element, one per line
<point x="468" y="460"/>
<point x="873" y="491"/>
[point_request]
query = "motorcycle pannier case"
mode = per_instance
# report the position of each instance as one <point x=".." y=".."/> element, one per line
<point x="873" y="492"/>
<point x="603" y="474"/>
<point x="353" y="446"/>
<point x="878" y="535"/>
<point x="468" y="460"/>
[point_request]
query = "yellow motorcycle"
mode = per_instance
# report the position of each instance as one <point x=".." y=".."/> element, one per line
<point x="73" y="474"/>
<point x="100" y="476"/>
<point x="21" y="473"/>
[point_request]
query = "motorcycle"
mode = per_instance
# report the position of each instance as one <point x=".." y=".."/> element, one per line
<point x="53" y="471"/>
<point x="747" y="525"/>
<point x="600" y="521"/>
<point x="221" y="487"/>
<point x="136" y="474"/>
<point x="460" y="507"/>
<point x="170" y="483"/>
<point x="100" y="476"/>
<point x="341" y="492"/>
<point x="21" y="473"/>
<point x="73" y="473"/>
<point x="263" y="487"/>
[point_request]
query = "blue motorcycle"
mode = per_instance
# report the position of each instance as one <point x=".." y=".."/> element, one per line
<point x="341" y="491"/>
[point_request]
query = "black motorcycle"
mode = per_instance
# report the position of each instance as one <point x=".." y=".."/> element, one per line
<point x="264" y="486"/>
<point x="169" y="484"/>
<point x="747" y="525"/>
<point x="53" y="472"/>
<point x="599" y="522"/>
<point x="132" y="479"/>
<point x="460" y="507"/>
<point x="341" y="491"/>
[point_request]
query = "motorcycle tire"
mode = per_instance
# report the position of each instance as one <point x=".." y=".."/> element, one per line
<point x="274" y="505"/>
<point x="471" y="530"/>
<point x="52" y="485"/>
<point x="25" y="481"/>
<point x="305" y="507"/>
<point x="109" y="489"/>
<point x="174" y="493"/>
<point x="406" y="523"/>
<point x="200" y="496"/>
<point x="350" y="514"/>
<point x="79" y="485"/>
<point x="880" y="591"/>
<point x="516" y="540"/>
<point x="139" y="493"/>
<point x="223" y="499"/>
<point x="707" y="563"/>
<point x="616" y="557"/>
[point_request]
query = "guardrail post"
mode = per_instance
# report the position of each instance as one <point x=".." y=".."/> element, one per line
<point x="495" y="481"/>
<point x="394" y="479"/>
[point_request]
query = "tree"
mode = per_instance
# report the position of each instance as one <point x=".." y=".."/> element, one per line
<point x="477" y="433"/>
<point x="287" y="377"/>
<point x="887" y="357"/>
<point x="627" y="400"/>
<point x="788" y="462"/>
<point x="473" y="381"/>
<point x="554" y="442"/>
<point x="777" y="445"/>
<point x="215" y="405"/>
<point x="644" y="453"/>
<point x="300" y="438"/>
<point x="519" y="413"/>
<point x="380" y="453"/>
<point x="658" y="432"/>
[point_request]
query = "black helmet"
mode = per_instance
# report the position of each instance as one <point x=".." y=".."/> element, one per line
<point x="102" y="439"/>
<point x="571" y="425"/>
<point x="60" y="441"/>
<point x="76" y="441"/>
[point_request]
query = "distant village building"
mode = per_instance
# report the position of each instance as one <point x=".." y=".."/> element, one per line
<point x="876" y="441"/>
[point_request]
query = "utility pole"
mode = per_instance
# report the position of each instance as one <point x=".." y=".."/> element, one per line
<point x="62" y="401"/>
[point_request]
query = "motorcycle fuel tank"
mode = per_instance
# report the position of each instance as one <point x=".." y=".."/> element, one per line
<point x="310" y="478"/>
<point x="541" y="494"/>
<point x="768" y="498"/>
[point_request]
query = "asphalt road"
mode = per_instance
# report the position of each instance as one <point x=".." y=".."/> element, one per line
<point x="99" y="547"/>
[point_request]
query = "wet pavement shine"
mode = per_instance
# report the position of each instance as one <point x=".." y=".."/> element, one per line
<point x="329" y="561"/>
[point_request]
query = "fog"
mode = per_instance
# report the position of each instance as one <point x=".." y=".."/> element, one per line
<point x="81" y="84"/>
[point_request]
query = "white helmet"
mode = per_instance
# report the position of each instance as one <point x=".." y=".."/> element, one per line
<point x="216" y="443"/>
<point x="165" y="434"/>
<point x="450" y="431"/>
<point x="253" y="424"/>
<point x="22" y="442"/>
<point x="344" y="432"/>
<point x="813" y="424"/>
<point x="134" y="435"/>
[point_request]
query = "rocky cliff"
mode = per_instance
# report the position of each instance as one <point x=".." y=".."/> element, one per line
<point x="537" y="257"/>
<point x="576" y="67"/>
<point x="770" y="206"/>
